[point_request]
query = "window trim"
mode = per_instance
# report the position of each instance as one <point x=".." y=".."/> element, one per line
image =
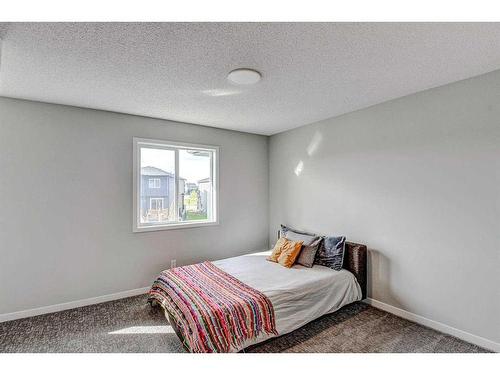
<point x="136" y="187"/>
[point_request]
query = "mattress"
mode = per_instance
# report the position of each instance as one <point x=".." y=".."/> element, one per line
<point x="298" y="294"/>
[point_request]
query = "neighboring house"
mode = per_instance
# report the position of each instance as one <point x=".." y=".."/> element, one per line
<point x="190" y="186"/>
<point x="157" y="194"/>
<point x="204" y="187"/>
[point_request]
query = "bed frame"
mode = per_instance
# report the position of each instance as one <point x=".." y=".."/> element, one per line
<point x="354" y="261"/>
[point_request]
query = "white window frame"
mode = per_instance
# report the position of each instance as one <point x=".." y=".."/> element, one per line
<point x="156" y="183"/>
<point x="139" y="143"/>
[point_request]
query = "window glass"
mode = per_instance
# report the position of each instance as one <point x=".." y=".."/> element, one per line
<point x="157" y="192"/>
<point x="195" y="185"/>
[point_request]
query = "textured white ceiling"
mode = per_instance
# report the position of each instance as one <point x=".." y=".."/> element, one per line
<point x="311" y="71"/>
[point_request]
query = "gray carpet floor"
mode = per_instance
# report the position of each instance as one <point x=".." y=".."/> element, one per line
<point x="130" y="325"/>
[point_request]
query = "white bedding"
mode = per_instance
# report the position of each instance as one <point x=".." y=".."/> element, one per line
<point x="298" y="294"/>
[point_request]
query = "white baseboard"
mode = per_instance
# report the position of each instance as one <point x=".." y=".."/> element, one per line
<point x="466" y="336"/>
<point x="71" y="305"/>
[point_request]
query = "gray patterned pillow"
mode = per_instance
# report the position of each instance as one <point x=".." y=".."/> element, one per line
<point x="331" y="252"/>
<point x="295" y="235"/>
<point x="308" y="253"/>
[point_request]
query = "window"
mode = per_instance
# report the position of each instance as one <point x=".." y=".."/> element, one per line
<point x="156" y="204"/>
<point x="175" y="185"/>
<point x="154" y="183"/>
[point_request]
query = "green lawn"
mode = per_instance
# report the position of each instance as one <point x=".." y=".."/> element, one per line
<point x="195" y="216"/>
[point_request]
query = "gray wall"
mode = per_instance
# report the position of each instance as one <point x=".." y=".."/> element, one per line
<point x="417" y="180"/>
<point x="66" y="203"/>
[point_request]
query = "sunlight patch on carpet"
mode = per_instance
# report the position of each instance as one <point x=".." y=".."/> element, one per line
<point x="143" y="330"/>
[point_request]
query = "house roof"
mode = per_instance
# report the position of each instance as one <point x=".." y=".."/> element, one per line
<point x="153" y="171"/>
<point x="204" y="180"/>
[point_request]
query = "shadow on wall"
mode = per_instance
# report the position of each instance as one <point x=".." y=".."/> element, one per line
<point x="379" y="278"/>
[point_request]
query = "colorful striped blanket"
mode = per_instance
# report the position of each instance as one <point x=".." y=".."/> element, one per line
<point x="214" y="311"/>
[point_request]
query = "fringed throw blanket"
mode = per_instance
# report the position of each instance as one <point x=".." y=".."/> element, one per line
<point x="213" y="310"/>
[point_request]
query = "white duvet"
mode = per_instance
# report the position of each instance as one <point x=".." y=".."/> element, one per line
<point x="298" y="294"/>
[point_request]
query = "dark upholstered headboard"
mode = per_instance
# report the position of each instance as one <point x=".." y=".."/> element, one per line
<point x="355" y="259"/>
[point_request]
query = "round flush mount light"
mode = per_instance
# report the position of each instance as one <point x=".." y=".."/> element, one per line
<point x="244" y="76"/>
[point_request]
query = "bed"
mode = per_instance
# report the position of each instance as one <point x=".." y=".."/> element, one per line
<point x="298" y="295"/>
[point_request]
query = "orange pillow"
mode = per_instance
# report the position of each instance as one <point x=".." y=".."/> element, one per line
<point x="285" y="252"/>
<point x="290" y="254"/>
<point x="278" y="248"/>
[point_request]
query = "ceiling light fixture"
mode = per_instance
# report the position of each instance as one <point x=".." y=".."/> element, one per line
<point x="244" y="76"/>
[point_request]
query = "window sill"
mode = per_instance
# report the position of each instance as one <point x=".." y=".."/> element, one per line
<point x="153" y="228"/>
